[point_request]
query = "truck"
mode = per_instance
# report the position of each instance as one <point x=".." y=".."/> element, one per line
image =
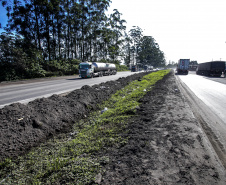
<point x="183" y="66"/>
<point x="193" y="65"/>
<point x="214" y="68"/>
<point x="145" y="68"/>
<point x="134" y="68"/>
<point x="93" y="69"/>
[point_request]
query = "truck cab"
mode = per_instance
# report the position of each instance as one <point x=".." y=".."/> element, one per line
<point x="86" y="70"/>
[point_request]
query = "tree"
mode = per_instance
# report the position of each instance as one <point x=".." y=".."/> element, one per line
<point x="17" y="61"/>
<point x="53" y="34"/>
<point x="127" y="50"/>
<point x="150" y="53"/>
<point x="136" y="35"/>
<point x="118" y="29"/>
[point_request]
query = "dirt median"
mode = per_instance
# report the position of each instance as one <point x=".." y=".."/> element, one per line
<point x="25" y="126"/>
<point x="166" y="145"/>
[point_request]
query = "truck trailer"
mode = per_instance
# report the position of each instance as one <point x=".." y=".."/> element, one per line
<point x="92" y="69"/>
<point x="183" y="66"/>
<point x="214" y="68"/>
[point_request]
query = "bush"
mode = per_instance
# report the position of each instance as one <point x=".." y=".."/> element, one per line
<point x="122" y="67"/>
<point x="62" y="67"/>
<point x="35" y="71"/>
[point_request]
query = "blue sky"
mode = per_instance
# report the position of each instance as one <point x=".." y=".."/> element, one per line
<point x="3" y="17"/>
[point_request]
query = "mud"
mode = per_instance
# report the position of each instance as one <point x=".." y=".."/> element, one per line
<point x="25" y="126"/>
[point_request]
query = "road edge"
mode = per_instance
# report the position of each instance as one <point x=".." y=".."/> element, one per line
<point x="205" y="118"/>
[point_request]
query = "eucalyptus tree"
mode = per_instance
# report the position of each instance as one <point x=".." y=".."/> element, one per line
<point x="19" y="19"/>
<point x="136" y="34"/>
<point x="127" y="50"/>
<point x="76" y="11"/>
<point x="98" y="21"/>
<point x="57" y="18"/>
<point x="118" y="31"/>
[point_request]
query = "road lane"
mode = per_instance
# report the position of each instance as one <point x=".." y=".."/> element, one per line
<point x="27" y="92"/>
<point x="212" y="93"/>
<point x="206" y="97"/>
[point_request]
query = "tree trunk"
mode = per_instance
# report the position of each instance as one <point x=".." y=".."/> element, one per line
<point x="37" y="27"/>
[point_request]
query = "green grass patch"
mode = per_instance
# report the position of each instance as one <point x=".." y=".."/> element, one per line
<point x="71" y="158"/>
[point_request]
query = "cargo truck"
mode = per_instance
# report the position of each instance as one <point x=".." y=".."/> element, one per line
<point x="183" y="66"/>
<point x="214" y="68"/>
<point x="134" y="68"/>
<point x="92" y="69"/>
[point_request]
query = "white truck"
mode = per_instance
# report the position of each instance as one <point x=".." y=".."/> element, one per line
<point x="92" y="69"/>
<point x="183" y="66"/>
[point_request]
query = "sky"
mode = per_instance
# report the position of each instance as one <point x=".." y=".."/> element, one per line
<point x="184" y="29"/>
<point x="3" y="17"/>
<point x="193" y="29"/>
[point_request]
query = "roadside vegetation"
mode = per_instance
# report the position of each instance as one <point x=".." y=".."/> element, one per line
<point x="73" y="158"/>
<point x="48" y="38"/>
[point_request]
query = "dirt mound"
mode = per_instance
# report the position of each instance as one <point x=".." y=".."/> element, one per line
<point x="25" y="126"/>
<point x="166" y="145"/>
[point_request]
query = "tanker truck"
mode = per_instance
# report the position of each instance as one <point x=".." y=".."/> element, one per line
<point x="92" y="69"/>
<point x="214" y="68"/>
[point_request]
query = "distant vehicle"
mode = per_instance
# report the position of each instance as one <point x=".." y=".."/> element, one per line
<point x="92" y="69"/>
<point x="145" y="68"/>
<point x="148" y="68"/>
<point x="193" y="65"/>
<point x="225" y="72"/>
<point x="214" y="68"/>
<point x="134" y="68"/>
<point x="183" y="66"/>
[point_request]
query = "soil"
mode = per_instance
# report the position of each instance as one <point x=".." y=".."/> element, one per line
<point x="25" y="126"/>
<point x="166" y="142"/>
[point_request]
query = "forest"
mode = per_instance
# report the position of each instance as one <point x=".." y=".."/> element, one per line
<point x="46" y="38"/>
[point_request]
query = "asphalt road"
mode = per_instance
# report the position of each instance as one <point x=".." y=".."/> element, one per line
<point x="207" y="99"/>
<point x="26" y="91"/>
<point x="211" y="90"/>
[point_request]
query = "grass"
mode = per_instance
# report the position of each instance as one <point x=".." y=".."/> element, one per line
<point x="71" y="158"/>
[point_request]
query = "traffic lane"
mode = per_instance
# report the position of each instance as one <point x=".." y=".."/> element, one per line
<point x="59" y="83"/>
<point x="25" y="93"/>
<point x="212" y="93"/>
<point x="221" y="79"/>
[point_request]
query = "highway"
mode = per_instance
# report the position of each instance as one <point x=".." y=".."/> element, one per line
<point x="207" y="99"/>
<point x="26" y="91"/>
<point x="211" y="90"/>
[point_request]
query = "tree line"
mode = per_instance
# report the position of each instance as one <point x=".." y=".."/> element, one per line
<point x="51" y="37"/>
